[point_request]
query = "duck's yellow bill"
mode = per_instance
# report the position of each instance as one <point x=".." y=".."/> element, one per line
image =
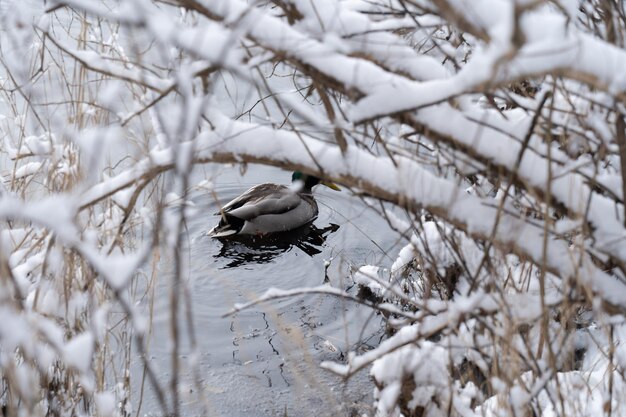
<point x="331" y="185"/>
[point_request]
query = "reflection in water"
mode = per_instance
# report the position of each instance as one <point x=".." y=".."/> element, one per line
<point x="243" y="250"/>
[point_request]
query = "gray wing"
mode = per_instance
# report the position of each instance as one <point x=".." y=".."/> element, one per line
<point x="262" y="199"/>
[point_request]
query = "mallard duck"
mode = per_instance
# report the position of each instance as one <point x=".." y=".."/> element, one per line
<point x="271" y="208"/>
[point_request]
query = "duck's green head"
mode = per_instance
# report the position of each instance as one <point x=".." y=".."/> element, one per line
<point x="310" y="181"/>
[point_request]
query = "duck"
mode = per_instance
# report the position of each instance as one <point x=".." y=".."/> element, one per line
<point x="271" y="208"/>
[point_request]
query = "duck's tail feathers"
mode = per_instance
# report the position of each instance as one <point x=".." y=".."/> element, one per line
<point x="228" y="226"/>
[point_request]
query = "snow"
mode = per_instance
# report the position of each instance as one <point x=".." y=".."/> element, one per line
<point x="427" y="366"/>
<point x="116" y="269"/>
<point x="275" y="293"/>
<point x="77" y="352"/>
<point x="11" y="238"/>
<point x="105" y="403"/>
<point x="512" y="203"/>
<point x="405" y="257"/>
<point x="367" y="276"/>
<point x="49" y="303"/>
<point x="38" y="145"/>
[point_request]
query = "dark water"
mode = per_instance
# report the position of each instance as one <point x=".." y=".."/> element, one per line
<point x="265" y="361"/>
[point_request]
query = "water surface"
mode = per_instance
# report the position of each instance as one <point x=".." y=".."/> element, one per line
<point x="265" y="361"/>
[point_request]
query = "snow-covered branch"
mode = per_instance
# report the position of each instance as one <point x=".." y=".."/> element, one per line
<point x="495" y="127"/>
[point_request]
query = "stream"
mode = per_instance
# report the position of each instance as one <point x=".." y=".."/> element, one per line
<point x="264" y="361"/>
